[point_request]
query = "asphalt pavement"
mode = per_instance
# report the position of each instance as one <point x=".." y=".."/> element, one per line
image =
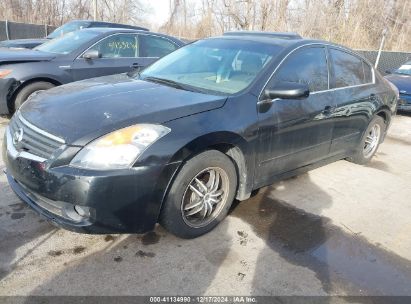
<point x="342" y="229"/>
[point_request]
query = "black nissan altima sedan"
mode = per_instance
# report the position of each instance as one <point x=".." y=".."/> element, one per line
<point x="204" y="125"/>
<point x="77" y="55"/>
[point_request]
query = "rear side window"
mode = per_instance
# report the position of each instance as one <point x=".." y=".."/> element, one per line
<point x="152" y="46"/>
<point x="308" y="66"/>
<point x="349" y="70"/>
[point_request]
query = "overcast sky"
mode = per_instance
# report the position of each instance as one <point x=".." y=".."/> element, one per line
<point x="160" y="10"/>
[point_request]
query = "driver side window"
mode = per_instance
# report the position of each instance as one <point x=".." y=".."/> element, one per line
<point x="118" y="46"/>
<point x="306" y="66"/>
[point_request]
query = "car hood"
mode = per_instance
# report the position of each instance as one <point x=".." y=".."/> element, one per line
<point x="82" y="111"/>
<point x="23" y="43"/>
<point x="23" y="55"/>
<point x="402" y="82"/>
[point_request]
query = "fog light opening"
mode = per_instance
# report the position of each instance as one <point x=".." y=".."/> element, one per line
<point x="84" y="212"/>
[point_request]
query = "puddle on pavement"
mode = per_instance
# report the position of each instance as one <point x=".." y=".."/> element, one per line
<point x="55" y="253"/>
<point x="143" y="254"/>
<point x="18" y="207"/>
<point x="79" y="249"/>
<point x="118" y="259"/>
<point x="109" y="238"/>
<point x="17" y="215"/>
<point x="150" y="238"/>
<point x="295" y="233"/>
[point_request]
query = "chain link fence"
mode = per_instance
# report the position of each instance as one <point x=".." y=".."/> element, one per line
<point x="388" y="60"/>
<point x="15" y="30"/>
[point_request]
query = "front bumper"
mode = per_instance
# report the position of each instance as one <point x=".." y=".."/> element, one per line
<point x="121" y="201"/>
<point x="404" y="103"/>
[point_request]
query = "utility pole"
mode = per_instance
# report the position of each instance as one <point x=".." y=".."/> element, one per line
<point x="185" y="13"/>
<point x="95" y="10"/>
<point x="384" y="32"/>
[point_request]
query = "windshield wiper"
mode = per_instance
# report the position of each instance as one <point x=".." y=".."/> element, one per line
<point x="171" y="83"/>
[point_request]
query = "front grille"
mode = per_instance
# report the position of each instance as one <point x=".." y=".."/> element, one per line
<point x="27" y="137"/>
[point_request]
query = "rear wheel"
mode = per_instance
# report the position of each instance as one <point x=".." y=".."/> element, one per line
<point x="30" y="89"/>
<point x="369" y="142"/>
<point x="200" y="196"/>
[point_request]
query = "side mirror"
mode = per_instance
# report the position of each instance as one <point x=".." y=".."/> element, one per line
<point x="91" y="54"/>
<point x="134" y="71"/>
<point x="388" y="72"/>
<point x="288" y="90"/>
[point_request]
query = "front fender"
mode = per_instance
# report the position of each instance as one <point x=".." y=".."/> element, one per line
<point x="8" y="87"/>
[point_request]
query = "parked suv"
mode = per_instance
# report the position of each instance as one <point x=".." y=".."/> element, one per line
<point x="204" y="125"/>
<point x="63" y="30"/>
<point x="78" y="55"/>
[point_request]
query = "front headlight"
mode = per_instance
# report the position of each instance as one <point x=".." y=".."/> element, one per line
<point x="119" y="149"/>
<point x="4" y="72"/>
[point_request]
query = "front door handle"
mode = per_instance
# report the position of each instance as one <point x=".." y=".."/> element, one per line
<point x="265" y="102"/>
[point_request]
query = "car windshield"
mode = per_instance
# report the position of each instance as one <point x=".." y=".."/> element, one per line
<point x="405" y="69"/>
<point x="68" y="28"/>
<point x="223" y="66"/>
<point x="67" y="43"/>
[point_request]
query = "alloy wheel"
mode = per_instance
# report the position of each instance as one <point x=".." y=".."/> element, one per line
<point x="205" y="197"/>
<point x="371" y="141"/>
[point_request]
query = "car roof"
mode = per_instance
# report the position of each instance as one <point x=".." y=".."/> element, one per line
<point x="115" y="25"/>
<point x="114" y="30"/>
<point x="280" y="39"/>
<point x="282" y="35"/>
<point x="277" y="41"/>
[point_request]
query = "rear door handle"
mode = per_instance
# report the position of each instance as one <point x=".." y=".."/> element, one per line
<point x="136" y="65"/>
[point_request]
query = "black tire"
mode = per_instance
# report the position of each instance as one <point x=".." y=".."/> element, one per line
<point x="358" y="157"/>
<point x="30" y="89"/>
<point x="172" y="218"/>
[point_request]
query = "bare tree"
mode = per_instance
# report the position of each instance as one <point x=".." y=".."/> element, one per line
<point x="355" y="23"/>
<point x="56" y="12"/>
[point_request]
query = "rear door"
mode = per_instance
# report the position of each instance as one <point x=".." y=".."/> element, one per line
<point x="119" y="54"/>
<point x="296" y="132"/>
<point x="353" y="87"/>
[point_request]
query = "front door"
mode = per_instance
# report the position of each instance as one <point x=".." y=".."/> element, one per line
<point x="296" y="132"/>
<point x="119" y="53"/>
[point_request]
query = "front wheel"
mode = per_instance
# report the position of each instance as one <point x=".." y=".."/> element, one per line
<point x="369" y="142"/>
<point x="29" y="90"/>
<point x="200" y="195"/>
